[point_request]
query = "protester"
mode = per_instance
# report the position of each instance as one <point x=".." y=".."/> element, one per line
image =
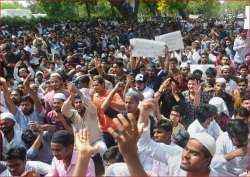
<point x="80" y="87"/>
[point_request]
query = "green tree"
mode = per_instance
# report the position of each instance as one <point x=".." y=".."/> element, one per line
<point x="13" y="5"/>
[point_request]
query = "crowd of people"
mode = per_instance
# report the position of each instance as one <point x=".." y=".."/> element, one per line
<point x="75" y="102"/>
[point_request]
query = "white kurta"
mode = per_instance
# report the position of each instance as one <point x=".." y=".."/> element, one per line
<point x="222" y="167"/>
<point x="213" y="129"/>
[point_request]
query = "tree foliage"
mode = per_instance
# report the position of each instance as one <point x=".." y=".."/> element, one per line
<point x="13" y="5"/>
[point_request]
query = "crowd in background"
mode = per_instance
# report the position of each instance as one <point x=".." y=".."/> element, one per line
<point x="73" y="101"/>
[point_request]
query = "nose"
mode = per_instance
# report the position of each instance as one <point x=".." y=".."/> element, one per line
<point x="186" y="155"/>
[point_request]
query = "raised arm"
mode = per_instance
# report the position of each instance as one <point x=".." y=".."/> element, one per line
<point x="37" y="102"/>
<point x="108" y="99"/>
<point x="85" y="152"/>
<point x="11" y="106"/>
<point x="67" y="109"/>
<point x="166" y="62"/>
<point x="127" y="143"/>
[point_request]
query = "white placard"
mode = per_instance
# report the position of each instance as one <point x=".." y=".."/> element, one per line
<point x="246" y="23"/>
<point x="173" y="40"/>
<point x="201" y="67"/>
<point x="147" y="48"/>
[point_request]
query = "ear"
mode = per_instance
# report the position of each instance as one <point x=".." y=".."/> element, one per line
<point x="207" y="161"/>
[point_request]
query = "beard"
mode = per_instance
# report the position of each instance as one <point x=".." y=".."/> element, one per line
<point x="7" y="130"/>
<point x="28" y="112"/>
<point x="15" y="101"/>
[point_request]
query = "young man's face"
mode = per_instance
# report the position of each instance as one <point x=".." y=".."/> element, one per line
<point x="225" y="60"/>
<point x="207" y="122"/>
<point x="60" y="151"/>
<point x="55" y="83"/>
<point x="97" y="86"/>
<point x="162" y="136"/>
<point x="26" y="107"/>
<point x="246" y="104"/>
<point x="243" y="72"/>
<point x="175" y="117"/>
<point x="184" y="71"/>
<point x="16" y="167"/>
<point x="191" y="85"/>
<point x="140" y="85"/>
<point x="57" y="104"/>
<point x="130" y="104"/>
<point x="16" y="97"/>
<point x="193" y="157"/>
<point x="242" y="87"/>
<point x="219" y="87"/>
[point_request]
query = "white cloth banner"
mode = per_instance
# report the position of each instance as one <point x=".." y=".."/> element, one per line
<point x="201" y="67"/>
<point x="147" y="48"/>
<point x="173" y="40"/>
<point x="246" y="23"/>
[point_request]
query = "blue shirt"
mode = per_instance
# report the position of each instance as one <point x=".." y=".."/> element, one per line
<point x="23" y="120"/>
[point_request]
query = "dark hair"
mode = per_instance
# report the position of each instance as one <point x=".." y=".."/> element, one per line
<point x="246" y="97"/>
<point x="173" y="59"/>
<point x="17" y="91"/>
<point x="203" y="113"/>
<point x="242" y="112"/>
<point x="28" y="137"/>
<point x="63" y="137"/>
<point x="181" y="138"/>
<point x="83" y="79"/>
<point x="225" y="55"/>
<point x="99" y="79"/>
<point x="238" y="128"/>
<point x="16" y="153"/>
<point x="27" y="98"/>
<point x="178" y="108"/>
<point x="242" y="80"/>
<point x="93" y="71"/>
<point x="192" y="77"/>
<point x="165" y="125"/>
<point x="211" y="72"/>
<point x="113" y="154"/>
<point x="207" y="154"/>
<point x="119" y="63"/>
<point x="198" y="74"/>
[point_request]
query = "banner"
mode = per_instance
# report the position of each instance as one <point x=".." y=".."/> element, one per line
<point x="147" y="48"/>
<point x="246" y="23"/>
<point x="173" y="40"/>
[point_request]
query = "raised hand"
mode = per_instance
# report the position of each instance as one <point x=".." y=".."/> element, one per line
<point x="72" y="88"/>
<point x="26" y="82"/>
<point x="127" y="134"/>
<point x="165" y="85"/>
<point x="83" y="143"/>
<point x="3" y="81"/>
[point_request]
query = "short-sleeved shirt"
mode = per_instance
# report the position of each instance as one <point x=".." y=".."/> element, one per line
<point x="58" y="167"/>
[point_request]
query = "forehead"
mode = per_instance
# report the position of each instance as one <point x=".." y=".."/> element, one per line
<point x="95" y="82"/>
<point x="5" y="121"/>
<point x="25" y="102"/>
<point x="14" y="162"/>
<point x="56" y="100"/>
<point x="195" y="146"/>
<point x="129" y="99"/>
<point x="14" y="92"/>
<point x="54" y="78"/>
<point x="56" y="146"/>
<point x="246" y="101"/>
